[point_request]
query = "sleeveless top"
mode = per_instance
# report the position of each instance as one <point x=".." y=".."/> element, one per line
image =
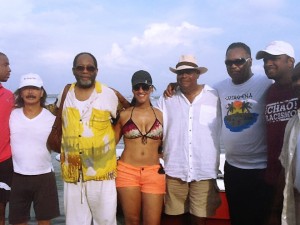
<point x="131" y="131"/>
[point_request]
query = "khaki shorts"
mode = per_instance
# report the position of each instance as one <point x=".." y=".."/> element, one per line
<point x="200" y="198"/>
<point x="145" y="177"/>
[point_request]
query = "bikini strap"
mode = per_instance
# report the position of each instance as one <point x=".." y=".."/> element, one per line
<point x="131" y="112"/>
<point x="154" y="112"/>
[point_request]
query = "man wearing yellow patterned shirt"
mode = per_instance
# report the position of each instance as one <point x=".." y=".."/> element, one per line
<point x="88" y="153"/>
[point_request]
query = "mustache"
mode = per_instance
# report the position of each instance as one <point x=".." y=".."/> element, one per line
<point x="30" y="96"/>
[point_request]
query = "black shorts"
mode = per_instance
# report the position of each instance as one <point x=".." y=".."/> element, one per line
<point x="39" y="189"/>
<point x="6" y="173"/>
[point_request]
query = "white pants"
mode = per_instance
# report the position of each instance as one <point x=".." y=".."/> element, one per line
<point x="90" y="201"/>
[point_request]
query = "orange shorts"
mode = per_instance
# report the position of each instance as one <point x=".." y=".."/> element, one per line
<point x="145" y="177"/>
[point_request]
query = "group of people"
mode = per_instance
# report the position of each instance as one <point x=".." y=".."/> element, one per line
<point x="261" y="172"/>
<point x="246" y="114"/>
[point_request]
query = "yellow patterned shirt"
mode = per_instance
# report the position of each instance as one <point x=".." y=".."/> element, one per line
<point x="88" y="141"/>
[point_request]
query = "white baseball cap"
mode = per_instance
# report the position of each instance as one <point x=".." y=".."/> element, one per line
<point x="277" y="48"/>
<point x="31" y="79"/>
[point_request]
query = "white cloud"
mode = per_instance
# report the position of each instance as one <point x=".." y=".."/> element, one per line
<point x="165" y="34"/>
<point x="156" y="37"/>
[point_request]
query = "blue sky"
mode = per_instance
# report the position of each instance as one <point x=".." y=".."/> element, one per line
<point x="43" y="36"/>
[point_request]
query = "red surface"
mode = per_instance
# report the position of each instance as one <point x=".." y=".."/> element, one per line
<point x="222" y="213"/>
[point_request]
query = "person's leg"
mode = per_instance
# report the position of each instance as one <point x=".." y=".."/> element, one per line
<point x="236" y="193"/>
<point x="6" y="173"/>
<point x="131" y="202"/>
<point x="195" y="220"/>
<point x="20" y="199"/>
<point x="247" y="195"/>
<point x="258" y="197"/>
<point x="45" y="202"/>
<point x="152" y="208"/>
<point x="2" y="213"/>
<point x="204" y="200"/>
<point x="153" y="188"/>
<point x="77" y="210"/>
<point x="176" y="202"/>
<point x="102" y="201"/>
<point x="176" y="199"/>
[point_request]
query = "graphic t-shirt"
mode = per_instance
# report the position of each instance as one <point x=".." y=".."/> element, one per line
<point x="243" y="130"/>
<point x="281" y="105"/>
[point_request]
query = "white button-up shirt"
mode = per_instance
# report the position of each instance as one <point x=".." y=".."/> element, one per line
<point x="191" y="135"/>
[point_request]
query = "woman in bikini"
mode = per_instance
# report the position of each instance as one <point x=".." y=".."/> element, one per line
<point x="140" y="179"/>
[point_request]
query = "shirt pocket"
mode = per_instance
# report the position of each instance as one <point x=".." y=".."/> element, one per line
<point x="100" y="119"/>
<point x="207" y="114"/>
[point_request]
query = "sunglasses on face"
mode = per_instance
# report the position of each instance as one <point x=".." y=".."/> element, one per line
<point x="145" y="87"/>
<point x="237" y="62"/>
<point x="189" y="72"/>
<point x="88" y="68"/>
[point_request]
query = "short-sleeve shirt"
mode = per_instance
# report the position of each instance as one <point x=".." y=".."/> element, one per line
<point x="6" y="106"/>
<point x="244" y="125"/>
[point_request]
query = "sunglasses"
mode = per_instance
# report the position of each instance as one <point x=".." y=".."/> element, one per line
<point x="189" y="72"/>
<point x="88" y="68"/>
<point x="145" y="87"/>
<point x="237" y="62"/>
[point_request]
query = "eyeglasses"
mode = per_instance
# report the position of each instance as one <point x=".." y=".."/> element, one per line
<point x="237" y="62"/>
<point x="88" y="68"/>
<point x="145" y="87"/>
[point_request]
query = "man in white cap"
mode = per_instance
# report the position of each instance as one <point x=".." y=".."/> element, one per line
<point x="191" y="144"/>
<point x="281" y="105"/>
<point x="33" y="179"/>
<point x="6" y="166"/>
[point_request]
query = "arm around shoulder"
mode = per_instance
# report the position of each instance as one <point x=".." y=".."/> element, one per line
<point x="124" y="103"/>
<point x="121" y="119"/>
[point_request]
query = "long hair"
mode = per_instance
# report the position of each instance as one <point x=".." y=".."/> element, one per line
<point x="19" y="102"/>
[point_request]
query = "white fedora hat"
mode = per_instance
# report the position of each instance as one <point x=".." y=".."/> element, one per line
<point x="187" y="62"/>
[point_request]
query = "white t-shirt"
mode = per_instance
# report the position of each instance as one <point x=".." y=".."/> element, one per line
<point x="28" y="142"/>
<point x="191" y="135"/>
<point x="243" y="130"/>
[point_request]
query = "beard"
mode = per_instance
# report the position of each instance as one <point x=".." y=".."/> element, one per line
<point x="85" y="83"/>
